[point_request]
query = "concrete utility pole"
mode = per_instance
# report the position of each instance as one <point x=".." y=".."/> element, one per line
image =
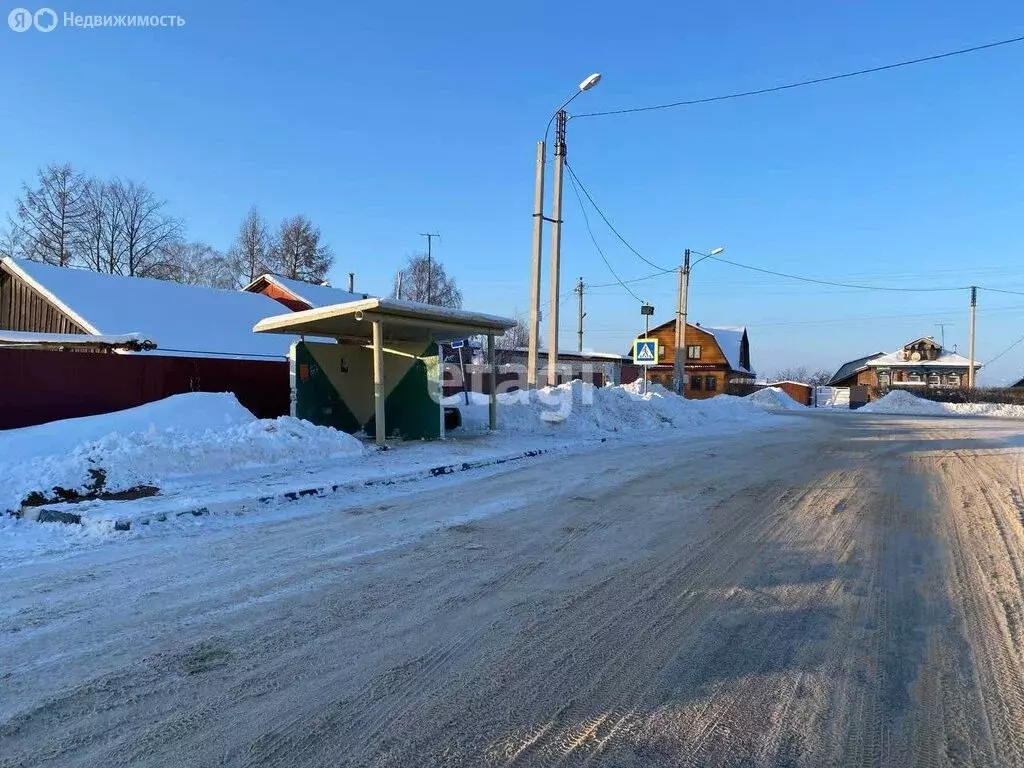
<point x="535" y="270"/>
<point x="538" y="234"/>
<point x="974" y="309"/>
<point x="580" y="315"/>
<point x="679" y="358"/>
<point x="430" y="277"/>
<point x="556" y="248"/>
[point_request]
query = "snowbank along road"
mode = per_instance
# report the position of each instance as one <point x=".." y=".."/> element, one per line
<point x="842" y="590"/>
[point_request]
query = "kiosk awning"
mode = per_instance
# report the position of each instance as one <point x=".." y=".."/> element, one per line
<point x="401" y="321"/>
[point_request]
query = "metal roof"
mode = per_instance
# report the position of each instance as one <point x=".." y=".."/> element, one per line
<point x="401" y="320"/>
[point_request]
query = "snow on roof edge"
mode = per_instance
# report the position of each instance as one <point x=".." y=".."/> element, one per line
<point x="13" y="265"/>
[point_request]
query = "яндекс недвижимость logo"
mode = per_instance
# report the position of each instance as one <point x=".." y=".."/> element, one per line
<point x="22" y="19"/>
<point x="46" y="20"/>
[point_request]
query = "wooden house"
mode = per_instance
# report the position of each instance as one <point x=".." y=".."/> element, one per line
<point x="920" y="364"/>
<point x="717" y="358"/>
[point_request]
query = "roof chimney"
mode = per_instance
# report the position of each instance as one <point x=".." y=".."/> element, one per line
<point x="351" y="282"/>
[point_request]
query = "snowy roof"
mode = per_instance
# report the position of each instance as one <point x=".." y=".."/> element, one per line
<point x="788" y="381"/>
<point x="730" y="340"/>
<point x="401" y="320"/>
<point x="311" y="293"/>
<point x="945" y="359"/>
<point x="185" y="319"/>
<point x="853" y="366"/>
<point x="28" y="338"/>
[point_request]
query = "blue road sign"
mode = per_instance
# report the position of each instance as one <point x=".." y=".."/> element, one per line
<point x="645" y="352"/>
<point x="458" y="344"/>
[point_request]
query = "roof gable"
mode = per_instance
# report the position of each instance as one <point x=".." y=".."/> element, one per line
<point x="181" y="319"/>
<point x="312" y="295"/>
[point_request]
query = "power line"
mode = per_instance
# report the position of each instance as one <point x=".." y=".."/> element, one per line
<point x="833" y="283"/>
<point x="1001" y="290"/>
<point x="1018" y="341"/>
<point x="632" y="280"/>
<point x="586" y="220"/>
<point x="803" y="83"/>
<point x="576" y="181"/>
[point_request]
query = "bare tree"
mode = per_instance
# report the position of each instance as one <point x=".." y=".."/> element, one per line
<point x="98" y="237"/>
<point x="250" y="255"/>
<point x="794" y="373"/>
<point x="804" y="375"/>
<point x="298" y="254"/>
<point x="10" y="241"/>
<point x="50" y="213"/>
<point x="425" y="280"/>
<point x="518" y="336"/>
<point x="194" y="264"/>
<point x="147" y="231"/>
<point x="819" y="378"/>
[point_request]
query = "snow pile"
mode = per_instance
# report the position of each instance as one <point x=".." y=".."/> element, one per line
<point x="996" y="410"/>
<point x="581" y="409"/>
<point x="902" y="402"/>
<point x="181" y="435"/>
<point x="775" y="399"/>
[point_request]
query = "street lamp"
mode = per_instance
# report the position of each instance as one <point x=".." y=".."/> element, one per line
<point x="679" y="359"/>
<point x="559" y="118"/>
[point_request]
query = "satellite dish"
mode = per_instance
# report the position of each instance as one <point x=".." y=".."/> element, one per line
<point x="916" y="357"/>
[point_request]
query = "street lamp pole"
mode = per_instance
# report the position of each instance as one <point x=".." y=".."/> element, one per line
<point x="556" y="248"/>
<point x="560" y="118"/>
<point x="682" y="296"/>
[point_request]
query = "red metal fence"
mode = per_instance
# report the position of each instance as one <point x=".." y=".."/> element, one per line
<point x="37" y="385"/>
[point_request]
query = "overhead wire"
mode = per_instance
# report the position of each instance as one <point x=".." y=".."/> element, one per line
<point x="593" y="239"/>
<point x="1008" y="349"/>
<point x="576" y="181"/>
<point x="804" y="83"/>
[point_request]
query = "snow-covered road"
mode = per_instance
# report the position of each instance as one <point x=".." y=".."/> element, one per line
<point x="843" y="589"/>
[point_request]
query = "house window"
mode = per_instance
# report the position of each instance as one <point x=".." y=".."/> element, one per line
<point x="696" y="383"/>
<point x="693" y="352"/>
<point x="954" y="379"/>
<point x="914" y="377"/>
<point x="933" y="380"/>
<point x="710" y="383"/>
<point x="883" y="379"/>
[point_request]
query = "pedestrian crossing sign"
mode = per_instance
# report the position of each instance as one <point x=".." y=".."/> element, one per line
<point x="645" y="352"/>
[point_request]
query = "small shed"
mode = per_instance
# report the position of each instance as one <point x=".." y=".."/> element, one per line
<point x="800" y="391"/>
<point x="395" y="339"/>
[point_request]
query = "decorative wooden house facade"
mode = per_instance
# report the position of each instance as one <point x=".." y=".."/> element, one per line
<point x="923" y="363"/>
<point x="716" y="358"/>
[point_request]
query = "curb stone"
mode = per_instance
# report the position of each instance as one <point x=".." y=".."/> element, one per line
<point x="236" y="506"/>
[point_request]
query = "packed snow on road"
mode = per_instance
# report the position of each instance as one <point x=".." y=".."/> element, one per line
<point x="204" y="452"/>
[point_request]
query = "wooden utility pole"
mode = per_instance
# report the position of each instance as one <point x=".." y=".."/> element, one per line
<point x="974" y="309"/>
<point x="580" y="314"/>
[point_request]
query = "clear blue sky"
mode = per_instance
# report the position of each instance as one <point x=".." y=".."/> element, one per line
<point x="384" y="120"/>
